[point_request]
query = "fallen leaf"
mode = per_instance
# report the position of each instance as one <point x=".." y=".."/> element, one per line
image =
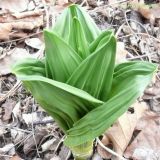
<point x="146" y="13"/>
<point x="16" y="157"/>
<point x="119" y="135"/>
<point x="30" y="143"/>
<point x="11" y="27"/>
<point x="8" y="149"/>
<point x="5" y="29"/>
<point x="62" y="2"/>
<point x="55" y="158"/>
<point x="48" y="145"/>
<point x="34" y="42"/>
<point x="121" y="52"/>
<point x="3" y="129"/>
<point x="149" y="13"/>
<point x="35" y="117"/>
<point x="14" y="5"/>
<point x="28" y="14"/>
<point x="96" y="156"/>
<point x="152" y="95"/>
<point x="17" y="135"/>
<point x="10" y="59"/>
<point x="64" y="153"/>
<point x="146" y="145"/>
<point x="8" y="107"/>
<point x="28" y="23"/>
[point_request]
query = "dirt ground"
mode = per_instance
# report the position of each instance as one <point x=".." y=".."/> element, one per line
<point x="26" y="130"/>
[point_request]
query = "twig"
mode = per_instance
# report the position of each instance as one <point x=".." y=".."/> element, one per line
<point x="125" y="16"/>
<point x="111" y="4"/>
<point x="109" y="150"/>
<point x="19" y="39"/>
<point x="62" y="139"/>
<point x="137" y="57"/>
<point x="128" y="35"/>
<point x="4" y="155"/>
<point x="15" y="128"/>
<point x="119" y="30"/>
<point x="83" y="2"/>
<point x="43" y="122"/>
<point x="47" y="14"/>
<point x="10" y="92"/>
<point x="33" y="131"/>
<point x="135" y="51"/>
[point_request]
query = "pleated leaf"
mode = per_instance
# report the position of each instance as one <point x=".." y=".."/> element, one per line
<point x="65" y="103"/>
<point x="98" y="120"/>
<point x="64" y="23"/>
<point x="61" y="59"/>
<point x="95" y="73"/>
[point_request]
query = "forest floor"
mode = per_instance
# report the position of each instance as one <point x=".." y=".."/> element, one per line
<point x="26" y="130"/>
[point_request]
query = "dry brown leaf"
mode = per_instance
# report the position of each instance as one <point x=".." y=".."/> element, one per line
<point x="146" y="145"/>
<point x="62" y="2"/>
<point x="14" y="5"/>
<point x="5" y="29"/>
<point x="11" y="57"/>
<point x="17" y="34"/>
<point x="146" y="13"/>
<point x="16" y="157"/>
<point x="121" y="132"/>
<point x="34" y="42"/>
<point x="8" y="107"/>
<point x="28" y="14"/>
<point x="9" y="149"/>
<point x="30" y="143"/>
<point x="33" y="117"/>
<point x="64" y="153"/>
<point x="28" y="23"/>
<point x="17" y="135"/>
<point x="150" y="14"/>
<point x="48" y="145"/>
<point x="11" y="27"/>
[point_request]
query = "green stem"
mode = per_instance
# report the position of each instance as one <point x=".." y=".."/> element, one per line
<point x="83" y="151"/>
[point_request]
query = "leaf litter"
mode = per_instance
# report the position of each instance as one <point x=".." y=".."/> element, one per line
<point x="26" y="128"/>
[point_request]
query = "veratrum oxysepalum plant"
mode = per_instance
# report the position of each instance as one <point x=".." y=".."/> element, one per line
<point x="78" y="83"/>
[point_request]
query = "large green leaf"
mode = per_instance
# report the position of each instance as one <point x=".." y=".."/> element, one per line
<point x="98" y="120"/>
<point x="95" y="73"/>
<point x="61" y="59"/>
<point x="64" y="23"/>
<point x="65" y="103"/>
<point x="31" y="66"/>
<point x="124" y="73"/>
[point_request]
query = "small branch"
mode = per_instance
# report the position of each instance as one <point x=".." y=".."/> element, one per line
<point x="109" y="150"/>
<point x="47" y="14"/>
<point x="19" y="39"/>
<point x="10" y="92"/>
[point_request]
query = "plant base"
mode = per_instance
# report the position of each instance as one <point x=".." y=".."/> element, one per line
<point x="83" y="151"/>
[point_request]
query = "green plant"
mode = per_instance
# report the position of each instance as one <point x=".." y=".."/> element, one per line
<point x="78" y="83"/>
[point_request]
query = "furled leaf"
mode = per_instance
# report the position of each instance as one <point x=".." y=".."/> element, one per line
<point x="78" y="40"/>
<point x="98" y="120"/>
<point x="95" y="73"/>
<point x="61" y="59"/>
<point x="64" y="23"/>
